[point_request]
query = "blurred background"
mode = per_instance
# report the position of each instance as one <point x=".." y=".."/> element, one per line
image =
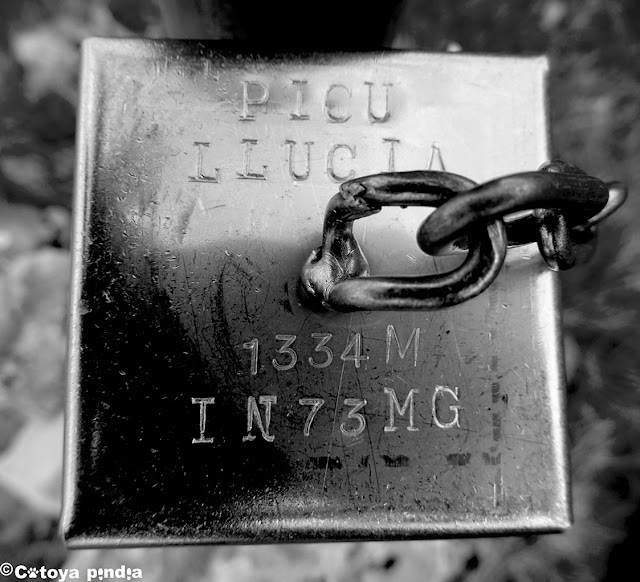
<point x="594" y="49"/>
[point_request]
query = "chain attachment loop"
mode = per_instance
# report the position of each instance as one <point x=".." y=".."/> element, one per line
<point x="566" y="205"/>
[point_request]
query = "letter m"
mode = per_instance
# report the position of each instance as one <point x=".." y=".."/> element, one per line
<point x="415" y="335"/>
<point x="394" y="406"/>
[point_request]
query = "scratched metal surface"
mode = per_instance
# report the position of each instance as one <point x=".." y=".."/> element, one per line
<point x="185" y="272"/>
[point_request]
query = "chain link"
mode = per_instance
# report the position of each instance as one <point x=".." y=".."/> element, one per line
<point x="566" y="205"/>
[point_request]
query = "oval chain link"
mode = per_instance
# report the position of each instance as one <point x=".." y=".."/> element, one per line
<point x="566" y="203"/>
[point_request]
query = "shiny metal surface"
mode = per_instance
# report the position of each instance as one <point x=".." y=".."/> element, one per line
<point x="207" y="403"/>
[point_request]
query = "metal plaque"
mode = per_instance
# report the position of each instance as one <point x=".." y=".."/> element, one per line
<point x="207" y="402"/>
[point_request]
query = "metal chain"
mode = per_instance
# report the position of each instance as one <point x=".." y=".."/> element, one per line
<point x="566" y="203"/>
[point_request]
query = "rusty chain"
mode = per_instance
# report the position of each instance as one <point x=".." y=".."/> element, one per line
<point x="567" y="205"/>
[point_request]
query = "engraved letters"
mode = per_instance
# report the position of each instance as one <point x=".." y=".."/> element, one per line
<point x="200" y="175"/>
<point x="441" y="391"/>
<point x="332" y="102"/>
<point x="316" y="403"/>
<point x="352" y="105"/>
<point x="395" y="405"/>
<point x="285" y="349"/>
<point x="373" y="118"/>
<point x="248" y="174"/>
<point x="254" y="413"/>
<point x="203" y="402"/>
<point x="435" y="159"/>
<point x="415" y="335"/>
<point x="247" y="101"/>
<point x="331" y="162"/>
<point x="369" y="102"/>
<point x="353" y="351"/>
<point x="288" y="351"/>
<point x="392" y="152"/>
<point x="254" y="346"/>
<point x="304" y="175"/>
<point x="297" y="114"/>
<point x="357" y="404"/>
<point x="299" y="166"/>
<point x="355" y="422"/>
<point x="321" y="347"/>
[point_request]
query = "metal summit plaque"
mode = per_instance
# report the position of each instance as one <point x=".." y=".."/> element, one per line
<point x="208" y="403"/>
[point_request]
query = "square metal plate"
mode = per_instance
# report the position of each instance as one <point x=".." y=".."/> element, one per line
<point x="207" y="403"/>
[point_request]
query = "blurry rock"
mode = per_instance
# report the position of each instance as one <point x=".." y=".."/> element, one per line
<point x="30" y="173"/>
<point x="434" y="561"/>
<point x="11" y="79"/>
<point x="54" y="118"/>
<point x="136" y="16"/>
<point x="49" y="49"/>
<point x="34" y="289"/>
<point x="59" y="220"/>
<point x="552" y="13"/>
<point x="367" y="562"/>
<point x="26" y="228"/>
<point x="27" y="536"/>
<point x="172" y="564"/>
<point x="32" y="468"/>
<point x="11" y="421"/>
<point x="50" y="61"/>
<point x="63" y="160"/>
<point x="571" y="356"/>
<point x="39" y="70"/>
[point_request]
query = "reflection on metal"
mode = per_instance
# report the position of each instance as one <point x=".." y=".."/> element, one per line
<point x="207" y="402"/>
